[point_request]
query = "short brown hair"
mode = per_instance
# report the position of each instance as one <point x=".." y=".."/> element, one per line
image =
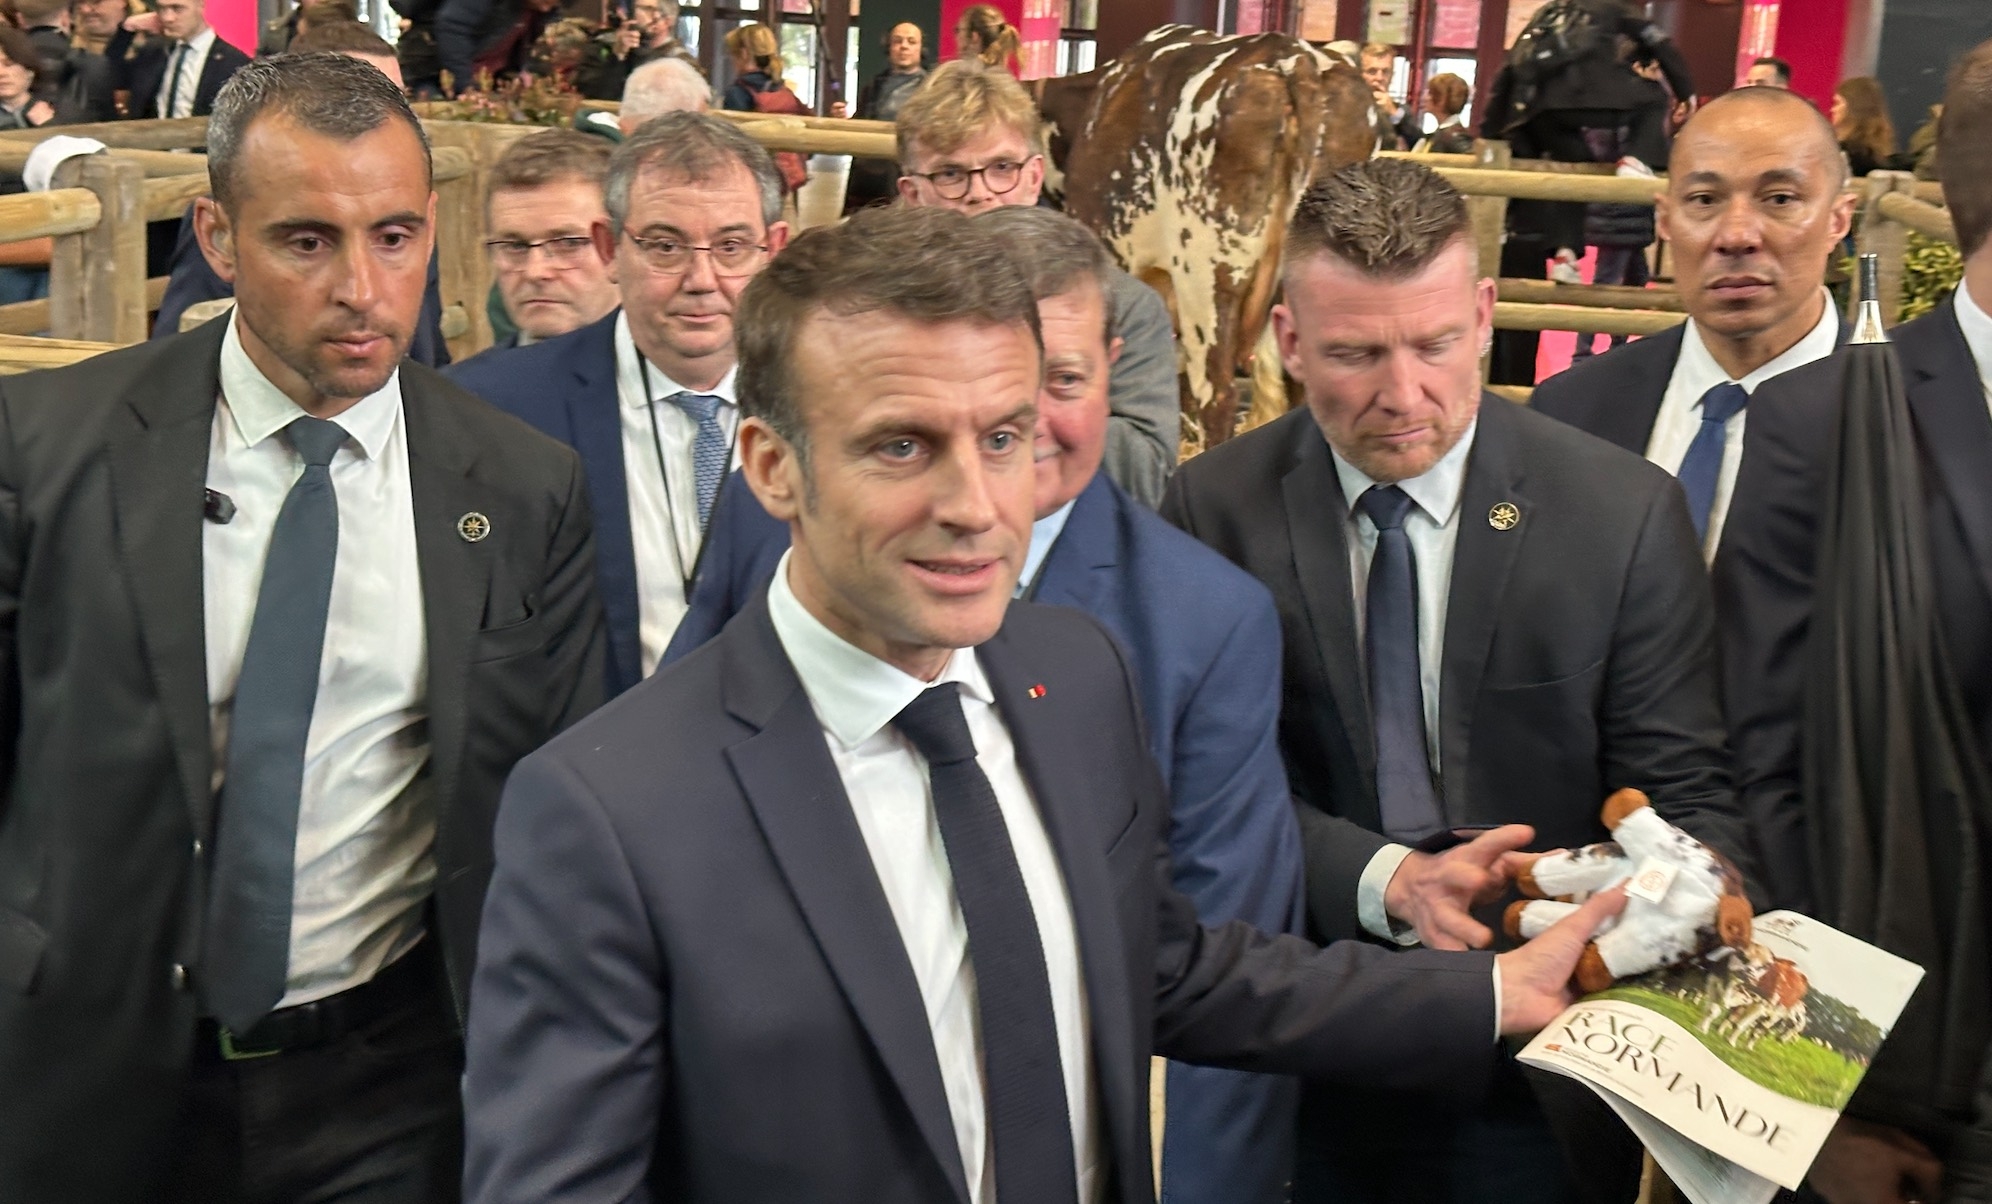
<point x="1964" y="147"/>
<point x="1377" y="50"/>
<point x="1056" y="253"/>
<point x="39" y="12"/>
<point x="959" y="101"/>
<point x="926" y="263"/>
<point x="341" y="37"/>
<point x="20" y="50"/>
<point x="1387" y="218"/>
<point x="327" y="12"/>
<point x="1449" y="94"/>
<point x="548" y="157"/>
<point x="695" y="145"/>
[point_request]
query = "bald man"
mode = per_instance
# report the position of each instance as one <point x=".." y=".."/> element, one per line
<point x="1756" y="202"/>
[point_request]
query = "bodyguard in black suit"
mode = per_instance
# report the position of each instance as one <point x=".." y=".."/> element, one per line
<point x="178" y="73"/>
<point x="1754" y="207"/>
<point x="1489" y="618"/>
<point x="867" y="898"/>
<point x="254" y="736"/>
<point x="1901" y="1140"/>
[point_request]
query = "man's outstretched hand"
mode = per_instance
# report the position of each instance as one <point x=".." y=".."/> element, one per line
<point x="1535" y="979"/>
<point x="1432" y="892"/>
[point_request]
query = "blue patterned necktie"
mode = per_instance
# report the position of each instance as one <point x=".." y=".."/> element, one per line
<point x="709" y="450"/>
<point x="255" y="847"/>
<point x="1030" y="1122"/>
<point x="1703" y="464"/>
<point x="1406" y="801"/>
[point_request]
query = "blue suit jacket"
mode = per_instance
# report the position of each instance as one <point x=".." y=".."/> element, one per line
<point x="1203" y="639"/>
<point x="566" y="388"/>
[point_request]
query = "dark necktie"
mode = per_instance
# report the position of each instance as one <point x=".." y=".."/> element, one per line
<point x="1703" y="463"/>
<point x="173" y="87"/>
<point x="255" y="847"/>
<point x="1404" y="794"/>
<point x="709" y="449"/>
<point x="1030" y="1129"/>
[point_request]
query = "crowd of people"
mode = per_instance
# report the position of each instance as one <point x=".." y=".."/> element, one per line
<point x="782" y="726"/>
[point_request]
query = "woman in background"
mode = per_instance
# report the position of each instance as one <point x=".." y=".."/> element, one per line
<point x="757" y="87"/>
<point x="24" y="265"/>
<point x="1446" y="95"/>
<point x="1860" y="119"/>
<point x="983" y="34"/>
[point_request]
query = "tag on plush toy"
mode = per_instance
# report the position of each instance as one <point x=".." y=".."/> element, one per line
<point x="1651" y="880"/>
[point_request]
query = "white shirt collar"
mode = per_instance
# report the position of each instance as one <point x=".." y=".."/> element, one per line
<point x="1436" y="491"/>
<point x="1976" y="326"/>
<point x="201" y="43"/>
<point x="1044" y="533"/>
<point x="855" y="694"/>
<point x="1705" y="373"/>
<point x="259" y="409"/>
<point x="661" y="384"/>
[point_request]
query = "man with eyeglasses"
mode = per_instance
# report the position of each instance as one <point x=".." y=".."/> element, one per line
<point x="646" y="394"/>
<point x="544" y="204"/>
<point x="968" y="140"/>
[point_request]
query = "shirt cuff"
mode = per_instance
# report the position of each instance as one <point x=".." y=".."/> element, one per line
<point x="1497" y="1000"/>
<point x="1370" y="912"/>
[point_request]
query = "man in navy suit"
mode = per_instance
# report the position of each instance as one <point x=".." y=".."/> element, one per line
<point x="1898" y="1141"/>
<point x="1203" y="643"/>
<point x="1755" y="205"/>
<point x="646" y="395"/>
<point x="867" y="899"/>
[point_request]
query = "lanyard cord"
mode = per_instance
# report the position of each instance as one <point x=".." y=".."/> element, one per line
<point x="685" y="576"/>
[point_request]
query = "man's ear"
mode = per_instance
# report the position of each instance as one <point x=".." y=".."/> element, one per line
<point x="1286" y="336"/>
<point x="217" y="237"/>
<point x="772" y="469"/>
<point x="778" y="237"/>
<point x="1114" y="350"/>
<point x="605" y="246"/>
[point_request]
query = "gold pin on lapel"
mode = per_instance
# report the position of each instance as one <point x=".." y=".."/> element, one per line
<point x="1504" y="516"/>
<point x="473" y="527"/>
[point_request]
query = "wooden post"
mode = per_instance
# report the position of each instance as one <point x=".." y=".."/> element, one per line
<point x="1882" y="236"/>
<point x="96" y="286"/>
<point x="1490" y="224"/>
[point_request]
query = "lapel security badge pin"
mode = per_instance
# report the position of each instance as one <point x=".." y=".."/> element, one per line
<point x="1037" y="691"/>
<point x="473" y="527"/>
<point x="1504" y="516"/>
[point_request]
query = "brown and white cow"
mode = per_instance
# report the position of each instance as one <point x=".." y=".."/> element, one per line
<point x="1187" y="154"/>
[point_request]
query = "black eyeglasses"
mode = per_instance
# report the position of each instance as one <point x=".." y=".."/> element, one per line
<point x="999" y="178"/>
<point x="673" y="257"/>
<point x="561" y="252"/>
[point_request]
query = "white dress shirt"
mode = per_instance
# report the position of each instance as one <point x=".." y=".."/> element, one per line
<point x="856" y="696"/>
<point x="366" y="821"/>
<point x="663" y="522"/>
<point x="1432" y="526"/>
<point x="1695" y="373"/>
<point x="1044" y="533"/>
<point x="180" y="103"/>
<point x="1976" y="326"/>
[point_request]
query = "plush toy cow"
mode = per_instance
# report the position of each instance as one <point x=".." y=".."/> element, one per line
<point x="1682" y="897"/>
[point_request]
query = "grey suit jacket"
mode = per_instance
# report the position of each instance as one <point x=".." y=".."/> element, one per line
<point x="104" y="744"/>
<point x="690" y="986"/>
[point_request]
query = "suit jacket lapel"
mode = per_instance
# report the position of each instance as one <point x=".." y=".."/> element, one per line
<point x="1482" y="558"/>
<point x="1317" y="531"/>
<point x="594" y="411"/>
<point x="1051" y="746"/>
<point x="1948" y="401"/>
<point x="1079" y="566"/>
<point x="455" y="573"/>
<point x="798" y="799"/>
<point x="158" y="470"/>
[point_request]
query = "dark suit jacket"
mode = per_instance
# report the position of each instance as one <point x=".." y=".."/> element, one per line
<point x="1579" y="646"/>
<point x="690" y="986"/>
<point x="566" y="387"/>
<point x="192" y="281"/>
<point x="1205" y="645"/>
<point x="1764" y="578"/>
<point x="104" y="740"/>
<point x="1615" y="396"/>
<point x="142" y="70"/>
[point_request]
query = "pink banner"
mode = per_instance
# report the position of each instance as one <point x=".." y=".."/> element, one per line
<point x="235" y="22"/>
<point x="1456" y="24"/>
<point x="1758" y="36"/>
